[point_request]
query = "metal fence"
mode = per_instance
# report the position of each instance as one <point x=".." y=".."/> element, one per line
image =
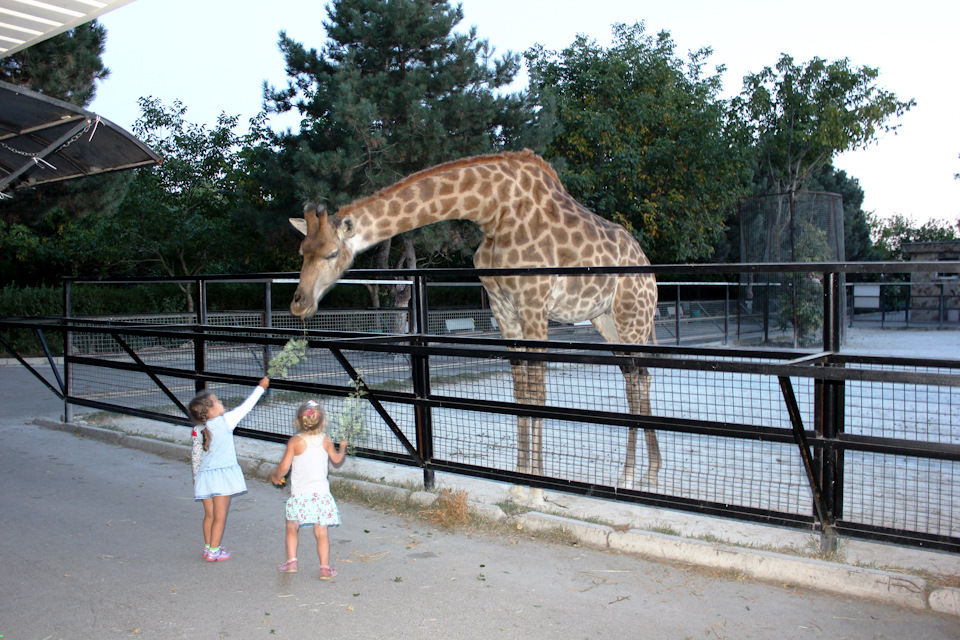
<point x="847" y="445"/>
<point x="904" y="304"/>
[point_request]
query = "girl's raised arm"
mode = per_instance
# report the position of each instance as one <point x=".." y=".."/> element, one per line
<point x="234" y="416"/>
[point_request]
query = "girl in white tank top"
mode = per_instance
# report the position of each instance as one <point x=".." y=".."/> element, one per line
<point x="310" y="502"/>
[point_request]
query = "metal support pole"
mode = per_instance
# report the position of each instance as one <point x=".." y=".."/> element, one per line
<point x="200" y="345"/>
<point x="267" y="320"/>
<point x="726" y="313"/>
<point x="942" y="307"/>
<point x="829" y="411"/>
<point x="676" y="315"/>
<point x="67" y="351"/>
<point x="423" y="419"/>
<point x="909" y="297"/>
<point x="740" y="304"/>
<point x="766" y="312"/>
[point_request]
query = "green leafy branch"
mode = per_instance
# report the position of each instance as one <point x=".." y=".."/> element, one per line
<point x="351" y="422"/>
<point x="290" y="356"/>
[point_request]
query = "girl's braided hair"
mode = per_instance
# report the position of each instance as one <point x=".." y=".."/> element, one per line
<point x="199" y="408"/>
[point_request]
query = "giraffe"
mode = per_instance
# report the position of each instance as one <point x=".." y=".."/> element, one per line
<point x="528" y="220"/>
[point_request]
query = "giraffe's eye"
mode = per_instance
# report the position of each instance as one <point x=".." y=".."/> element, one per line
<point x="333" y="255"/>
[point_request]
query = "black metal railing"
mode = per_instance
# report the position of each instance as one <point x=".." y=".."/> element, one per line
<point x="850" y="445"/>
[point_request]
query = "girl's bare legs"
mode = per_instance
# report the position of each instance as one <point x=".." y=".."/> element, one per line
<point x="207" y="520"/>
<point x="221" y="504"/>
<point x="293" y="539"/>
<point x="323" y="544"/>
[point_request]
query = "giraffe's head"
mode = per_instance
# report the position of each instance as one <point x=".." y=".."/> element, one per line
<point x="326" y="255"/>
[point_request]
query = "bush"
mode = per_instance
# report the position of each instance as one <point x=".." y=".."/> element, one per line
<point x="18" y="302"/>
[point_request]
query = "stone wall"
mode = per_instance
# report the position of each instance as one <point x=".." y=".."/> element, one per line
<point x="934" y="296"/>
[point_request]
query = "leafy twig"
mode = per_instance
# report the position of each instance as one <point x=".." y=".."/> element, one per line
<point x="290" y="356"/>
<point x="351" y="423"/>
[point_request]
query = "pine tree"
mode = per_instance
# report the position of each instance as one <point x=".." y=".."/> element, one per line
<point x="394" y="90"/>
<point x="66" y="67"/>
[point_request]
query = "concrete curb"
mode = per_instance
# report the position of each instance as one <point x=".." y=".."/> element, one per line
<point x="894" y="588"/>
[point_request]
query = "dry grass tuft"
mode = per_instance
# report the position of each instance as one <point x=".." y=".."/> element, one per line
<point x="449" y="509"/>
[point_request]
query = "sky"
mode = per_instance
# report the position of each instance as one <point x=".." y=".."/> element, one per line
<point x="214" y="56"/>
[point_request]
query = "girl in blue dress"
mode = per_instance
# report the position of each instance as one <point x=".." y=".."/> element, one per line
<point x="219" y="475"/>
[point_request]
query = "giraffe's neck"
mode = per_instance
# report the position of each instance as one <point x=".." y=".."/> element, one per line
<point x="476" y="189"/>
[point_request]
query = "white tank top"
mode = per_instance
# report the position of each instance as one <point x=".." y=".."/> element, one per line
<point x="309" y="474"/>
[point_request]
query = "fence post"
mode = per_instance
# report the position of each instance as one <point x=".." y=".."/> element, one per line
<point x="676" y="314"/>
<point x="267" y="320"/>
<point x="942" y="307"/>
<point x="200" y="344"/>
<point x="726" y="312"/>
<point x="906" y="310"/>
<point x="766" y="312"/>
<point x="423" y="419"/>
<point x="828" y="419"/>
<point x="67" y="351"/>
<point x="740" y="303"/>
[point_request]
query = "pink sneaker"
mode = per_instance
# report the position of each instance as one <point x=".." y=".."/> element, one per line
<point x="219" y="555"/>
<point x="290" y="566"/>
<point x="326" y="572"/>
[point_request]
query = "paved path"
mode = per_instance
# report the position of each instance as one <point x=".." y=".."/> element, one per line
<point x="101" y="541"/>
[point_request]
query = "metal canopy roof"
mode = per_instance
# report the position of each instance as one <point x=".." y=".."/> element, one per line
<point x="24" y="23"/>
<point x="46" y="140"/>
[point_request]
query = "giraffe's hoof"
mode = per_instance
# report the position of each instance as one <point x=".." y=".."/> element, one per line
<point x="649" y="482"/>
<point x="518" y="494"/>
<point x="536" y="498"/>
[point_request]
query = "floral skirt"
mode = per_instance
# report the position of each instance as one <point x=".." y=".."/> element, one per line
<point x="313" y="508"/>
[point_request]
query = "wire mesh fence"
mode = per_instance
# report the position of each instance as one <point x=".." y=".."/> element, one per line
<point x="723" y="428"/>
<point x="904" y="304"/>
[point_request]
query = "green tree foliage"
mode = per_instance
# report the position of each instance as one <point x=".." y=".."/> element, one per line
<point x="177" y="218"/>
<point x="645" y="140"/>
<point x="803" y="116"/>
<point x="394" y="90"/>
<point x="889" y="234"/>
<point x="56" y="247"/>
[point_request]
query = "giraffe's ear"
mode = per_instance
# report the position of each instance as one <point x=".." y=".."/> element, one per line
<point x="299" y="224"/>
<point x="348" y="227"/>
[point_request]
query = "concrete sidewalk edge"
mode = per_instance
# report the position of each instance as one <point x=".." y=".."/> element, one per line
<point x="900" y="589"/>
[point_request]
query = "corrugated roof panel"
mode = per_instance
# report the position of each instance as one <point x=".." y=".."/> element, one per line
<point x="24" y="23"/>
<point x="46" y="140"/>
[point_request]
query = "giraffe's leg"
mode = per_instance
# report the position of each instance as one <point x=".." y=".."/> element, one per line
<point x="650" y="436"/>
<point x="523" y="317"/>
<point x="529" y="388"/>
<point x="518" y="369"/>
<point x="637" y="382"/>
<point x="653" y="457"/>
<point x="536" y="387"/>
<point x="632" y="389"/>
<point x="627" y="476"/>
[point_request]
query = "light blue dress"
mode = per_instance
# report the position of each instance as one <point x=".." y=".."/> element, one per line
<point x="219" y="473"/>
